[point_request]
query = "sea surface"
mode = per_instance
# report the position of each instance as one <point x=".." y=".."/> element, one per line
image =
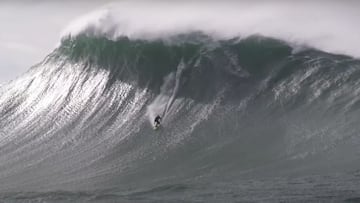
<point x="246" y="118"/>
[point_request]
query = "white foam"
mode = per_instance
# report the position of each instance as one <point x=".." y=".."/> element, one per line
<point x="329" y="26"/>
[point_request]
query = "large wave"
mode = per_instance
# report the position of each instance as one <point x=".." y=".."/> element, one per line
<point x="234" y="108"/>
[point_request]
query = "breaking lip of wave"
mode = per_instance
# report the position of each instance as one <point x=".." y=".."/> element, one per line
<point x="301" y="24"/>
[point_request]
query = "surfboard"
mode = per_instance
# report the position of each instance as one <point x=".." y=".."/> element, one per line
<point x="156" y="126"/>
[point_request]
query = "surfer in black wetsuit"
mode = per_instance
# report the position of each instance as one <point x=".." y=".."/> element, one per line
<point x="157" y="120"/>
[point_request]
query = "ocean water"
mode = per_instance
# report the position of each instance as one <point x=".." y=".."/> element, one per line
<point x="247" y="117"/>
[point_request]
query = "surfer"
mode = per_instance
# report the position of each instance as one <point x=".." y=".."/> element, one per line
<point x="157" y="121"/>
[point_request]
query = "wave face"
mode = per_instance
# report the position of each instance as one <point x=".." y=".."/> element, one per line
<point x="78" y="126"/>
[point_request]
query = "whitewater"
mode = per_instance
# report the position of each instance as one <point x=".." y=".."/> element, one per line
<point x="260" y="103"/>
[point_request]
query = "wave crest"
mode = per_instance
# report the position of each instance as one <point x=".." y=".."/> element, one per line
<point x="279" y="20"/>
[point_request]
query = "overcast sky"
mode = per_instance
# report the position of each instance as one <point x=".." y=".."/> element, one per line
<point x="31" y="29"/>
